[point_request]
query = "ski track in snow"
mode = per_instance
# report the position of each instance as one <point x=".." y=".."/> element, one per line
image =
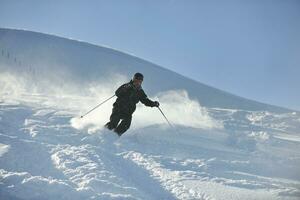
<point x="42" y="156"/>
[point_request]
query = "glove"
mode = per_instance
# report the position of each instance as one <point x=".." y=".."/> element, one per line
<point x="156" y="104"/>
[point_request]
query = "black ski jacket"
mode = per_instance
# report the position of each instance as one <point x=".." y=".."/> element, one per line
<point x="128" y="96"/>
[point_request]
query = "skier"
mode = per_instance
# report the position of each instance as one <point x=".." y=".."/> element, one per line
<point x="128" y="95"/>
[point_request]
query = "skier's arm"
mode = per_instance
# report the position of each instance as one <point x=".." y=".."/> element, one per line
<point x="123" y="89"/>
<point x="146" y="101"/>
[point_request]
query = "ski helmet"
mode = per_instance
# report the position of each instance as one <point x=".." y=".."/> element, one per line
<point x="138" y="76"/>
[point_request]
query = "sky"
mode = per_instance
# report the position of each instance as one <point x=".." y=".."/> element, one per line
<point x="248" y="48"/>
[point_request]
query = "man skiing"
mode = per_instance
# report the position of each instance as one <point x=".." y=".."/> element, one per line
<point x="128" y="95"/>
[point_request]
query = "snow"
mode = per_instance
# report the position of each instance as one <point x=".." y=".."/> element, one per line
<point x="3" y="149"/>
<point x="218" y="150"/>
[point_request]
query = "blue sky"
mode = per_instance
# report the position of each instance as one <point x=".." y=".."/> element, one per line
<point x="248" y="48"/>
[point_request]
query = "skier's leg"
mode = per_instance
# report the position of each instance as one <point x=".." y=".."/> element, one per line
<point x="114" y="119"/>
<point x="124" y="125"/>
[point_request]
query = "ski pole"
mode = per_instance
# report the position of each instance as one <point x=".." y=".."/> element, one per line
<point x="97" y="106"/>
<point x="167" y="120"/>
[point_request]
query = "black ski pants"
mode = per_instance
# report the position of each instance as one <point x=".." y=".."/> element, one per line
<point x="116" y="116"/>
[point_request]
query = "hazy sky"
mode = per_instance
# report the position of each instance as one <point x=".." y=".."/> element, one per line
<point x="249" y="48"/>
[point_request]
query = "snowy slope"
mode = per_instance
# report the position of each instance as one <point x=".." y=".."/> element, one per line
<point x="222" y="147"/>
<point x="61" y="60"/>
